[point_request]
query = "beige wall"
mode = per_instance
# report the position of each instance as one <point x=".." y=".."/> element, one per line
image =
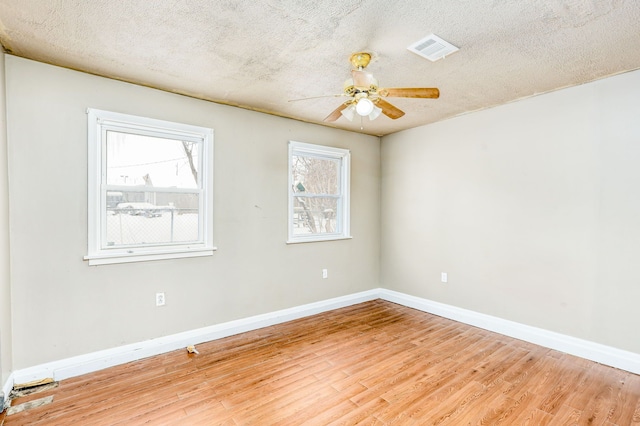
<point x="5" y="284"/>
<point x="62" y="307"/>
<point x="532" y="208"/>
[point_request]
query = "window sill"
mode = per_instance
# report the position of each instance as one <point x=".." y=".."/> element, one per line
<point x="109" y="259"/>
<point x="319" y="239"/>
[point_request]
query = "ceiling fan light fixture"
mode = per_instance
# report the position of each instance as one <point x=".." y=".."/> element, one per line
<point x="364" y="107"/>
<point x="375" y="113"/>
<point x="349" y="112"/>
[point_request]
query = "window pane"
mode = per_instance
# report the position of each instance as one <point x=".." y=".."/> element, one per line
<point x="141" y="218"/>
<point x="315" y="175"/>
<point x="315" y="215"/>
<point x="151" y="161"/>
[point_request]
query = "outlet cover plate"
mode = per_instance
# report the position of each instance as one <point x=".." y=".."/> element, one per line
<point x="160" y="299"/>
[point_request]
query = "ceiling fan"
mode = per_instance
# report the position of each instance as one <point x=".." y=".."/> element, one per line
<point x="367" y="99"/>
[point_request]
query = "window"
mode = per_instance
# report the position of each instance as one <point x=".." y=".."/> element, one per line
<point x="318" y="193"/>
<point x="150" y="189"/>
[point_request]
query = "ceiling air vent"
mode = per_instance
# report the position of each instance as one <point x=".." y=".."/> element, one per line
<point x="432" y="47"/>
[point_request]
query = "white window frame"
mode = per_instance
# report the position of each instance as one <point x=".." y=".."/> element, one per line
<point x="343" y="214"/>
<point x="99" y="122"/>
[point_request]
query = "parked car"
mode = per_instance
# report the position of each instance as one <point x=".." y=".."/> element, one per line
<point x="140" y="209"/>
<point x="113" y="199"/>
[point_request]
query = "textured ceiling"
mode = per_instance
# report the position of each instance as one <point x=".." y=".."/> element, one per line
<point x="261" y="54"/>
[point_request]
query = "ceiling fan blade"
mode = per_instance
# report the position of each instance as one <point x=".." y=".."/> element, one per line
<point x="411" y="92"/>
<point x="318" y="97"/>
<point x="336" y="112"/>
<point x="389" y="110"/>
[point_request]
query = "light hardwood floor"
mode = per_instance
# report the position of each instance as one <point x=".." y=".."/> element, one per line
<point x="376" y="363"/>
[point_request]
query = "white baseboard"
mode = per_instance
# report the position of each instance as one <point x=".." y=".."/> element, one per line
<point x="607" y="355"/>
<point x="83" y="364"/>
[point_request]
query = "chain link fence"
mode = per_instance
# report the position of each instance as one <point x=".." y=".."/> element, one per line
<point x="131" y="222"/>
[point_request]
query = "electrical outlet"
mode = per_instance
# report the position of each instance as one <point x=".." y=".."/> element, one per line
<point x="325" y="273"/>
<point x="443" y="277"/>
<point x="160" y="300"/>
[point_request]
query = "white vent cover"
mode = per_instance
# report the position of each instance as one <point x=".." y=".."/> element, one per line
<point x="432" y="47"/>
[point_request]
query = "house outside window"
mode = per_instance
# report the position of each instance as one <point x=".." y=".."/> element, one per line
<point x="318" y="193"/>
<point x="150" y="189"/>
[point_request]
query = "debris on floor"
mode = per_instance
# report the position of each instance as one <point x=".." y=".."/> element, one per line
<point x="192" y="349"/>
<point x="24" y="389"/>
<point x="28" y="405"/>
<point x="33" y="384"/>
<point x="32" y="387"/>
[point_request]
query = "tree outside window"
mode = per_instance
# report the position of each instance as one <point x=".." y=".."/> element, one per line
<point x="318" y="192"/>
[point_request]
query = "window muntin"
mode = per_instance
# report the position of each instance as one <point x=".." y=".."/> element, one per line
<point x="149" y="196"/>
<point x="318" y="193"/>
